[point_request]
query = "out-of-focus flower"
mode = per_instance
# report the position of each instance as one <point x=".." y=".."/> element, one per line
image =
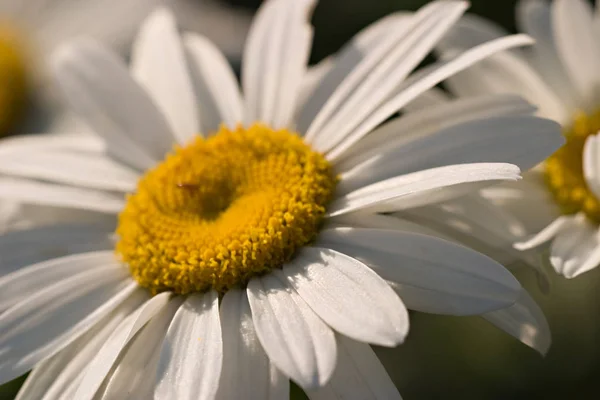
<point x="262" y="235"/>
<point x="561" y="75"/>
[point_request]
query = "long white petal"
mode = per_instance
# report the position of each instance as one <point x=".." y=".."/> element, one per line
<point x="321" y="80"/>
<point x="523" y="140"/>
<point x="47" y="194"/>
<point x="534" y="18"/>
<point x="278" y="27"/>
<point x="431" y="119"/>
<point x="425" y="81"/>
<point x="159" y="65"/>
<point x="525" y="321"/>
<point x="61" y="373"/>
<point x="359" y="375"/>
<point x="577" y="45"/>
<point x="99" y="87"/>
<point x="545" y="234"/>
<point x="27" y="282"/>
<point x="134" y="375"/>
<point x="432" y="275"/>
<point x="192" y="352"/>
<point x="246" y="367"/>
<point x="217" y="90"/>
<point x="17" y="252"/>
<point x="576" y="248"/>
<point x="121" y="336"/>
<point x="348" y="296"/>
<point x="426" y="29"/>
<point x="295" y="339"/>
<point x="423" y="187"/>
<point x="70" y="168"/>
<point x="45" y="323"/>
<point x="374" y="55"/>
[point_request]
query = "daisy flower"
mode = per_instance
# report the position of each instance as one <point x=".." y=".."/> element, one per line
<point x="258" y="251"/>
<point x="560" y="75"/>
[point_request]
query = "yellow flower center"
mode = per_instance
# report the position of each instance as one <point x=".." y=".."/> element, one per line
<point x="221" y="210"/>
<point x="564" y="169"/>
<point x="13" y="77"/>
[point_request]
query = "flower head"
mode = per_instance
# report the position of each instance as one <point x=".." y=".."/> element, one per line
<point x="253" y="244"/>
<point x="560" y="75"/>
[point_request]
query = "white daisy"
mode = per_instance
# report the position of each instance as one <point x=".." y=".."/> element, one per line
<point x="264" y="242"/>
<point x="561" y="75"/>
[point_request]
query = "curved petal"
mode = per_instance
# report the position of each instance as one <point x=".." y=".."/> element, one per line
<point x="295" y="339"/>
<point x="577" y="45"/>
<point x="524" y="141"/>
<point x="45" y="323"/>
<point x="423" y="187"/>
<point x="430" y="274"/>
<point x="100" y="366"/>
<point x="246" y="371"/>
<point x="215" y="83"/>
<point x="424" y="81"/>
<point x="158" y="63"/>
<point x="591" y="164"/>
<point x="271" y="75"/>
<point x="52" y="378"/>
<point x="47" y="194"/>
<point x="70" y="168"/>
<point x="359" y="375"/>
<point x="192" y="352"/>
<point x="134" y="374"/>
<point x="99" y="87"/>
<point x="348" y="296"/>
<point x="525" y="321"/>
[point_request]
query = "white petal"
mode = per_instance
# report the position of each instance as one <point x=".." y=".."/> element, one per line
<point x="427" y="121"/>
<point x="423" y="187"/>
<point x="348" y="296"/>
<point x="45" y="323"/>
<point x="271" y="74"/>
<point x="379" y="221"/>
<point x="192" y="352"/>
<point x="61" y="373"/>
<point x="546" y="234"/>
<point x="159" y="65"/>
<point x="295" y="339"/>
<point x="576" y="248"/>
<point x="425" y="81"/>
<point x="577" y="45"/>
<point x="523" y="140"/>
<point x="55" y="241"/>
<point x="525" y="321"/>
<point x="321" y="80"/>
<point x="63" y="140"/>
<point x="432" y="275"/>
<point x="100" y="366"/>
<point x="77" y="169"/>
<point x="246" y="371"/>
<point x="359" y="375"/>
<point x="426" y="28"/>
<point x="47" y="194"/>
<point x="534" y="18"/>
<point x="100" y="89"/>
<point x="591" y="164"/>
<point x="220" y="100"/>
<point x="27" y="282"/>
<point x="134" y="374"/>
<point x="370" y="55"/>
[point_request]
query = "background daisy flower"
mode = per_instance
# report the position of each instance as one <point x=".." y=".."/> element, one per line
<point x="258" y="250"/>
<point x="560" y="75"/>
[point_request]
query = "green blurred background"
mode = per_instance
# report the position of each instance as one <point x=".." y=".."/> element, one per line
<point x="466" y="358"/>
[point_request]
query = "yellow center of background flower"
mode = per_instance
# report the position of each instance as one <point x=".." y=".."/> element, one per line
<point x="13" y="77"/>
<point x="224" y="209"/>
<point x="564" y="169"/>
